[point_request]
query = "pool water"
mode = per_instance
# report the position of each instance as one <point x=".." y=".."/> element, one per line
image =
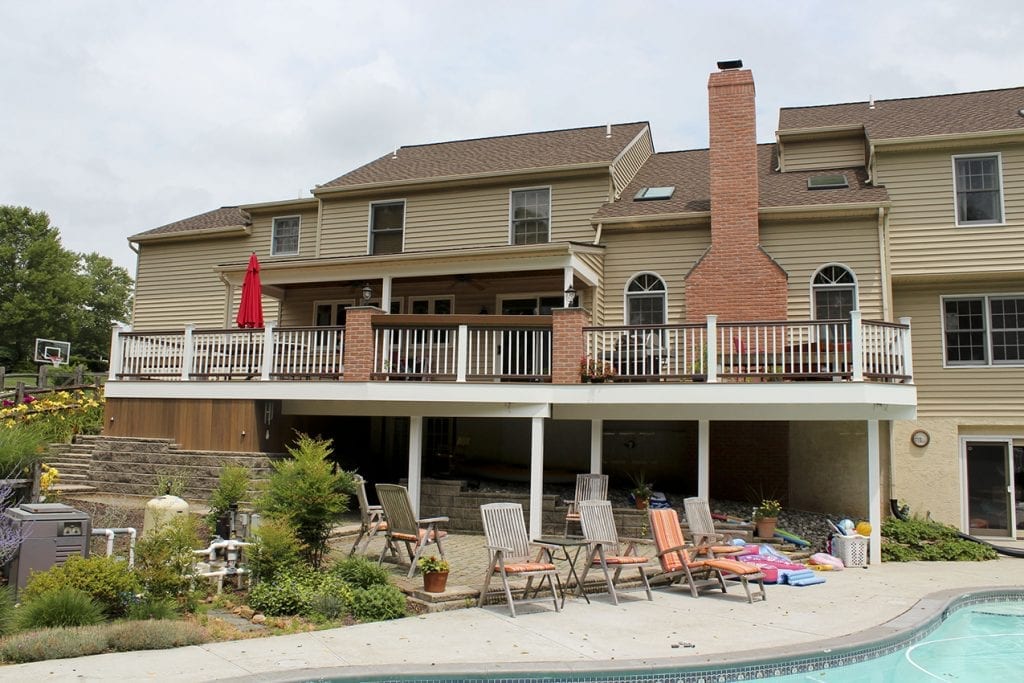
<point x="983" y="642"/>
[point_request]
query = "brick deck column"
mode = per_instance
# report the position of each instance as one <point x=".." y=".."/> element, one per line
<point x="359" y="343"/>
<point x="567" y="345"/>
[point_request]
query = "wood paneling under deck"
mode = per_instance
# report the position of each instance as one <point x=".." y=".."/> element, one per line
<point x="198" y="424"/>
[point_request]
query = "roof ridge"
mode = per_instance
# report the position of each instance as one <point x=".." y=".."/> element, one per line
<point x="904" y="99"/>
<point x="520" y="135"/>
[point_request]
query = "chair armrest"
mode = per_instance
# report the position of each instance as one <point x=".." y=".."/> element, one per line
<point x="673" y="549"/>
<point x="499" y="548"/>
<point x="431" y="520"/>
<point x="647" y="541"/>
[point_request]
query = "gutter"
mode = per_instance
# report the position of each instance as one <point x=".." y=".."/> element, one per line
<point x="224" y="230"/>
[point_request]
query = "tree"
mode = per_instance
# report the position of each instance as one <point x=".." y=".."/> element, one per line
<point x="51" y="292"/>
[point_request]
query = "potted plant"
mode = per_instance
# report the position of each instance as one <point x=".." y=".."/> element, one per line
<point x="435" y="573"/>
<point x="641" y="491"/>
<point x="766" y="515"/>
<point x="594" y="370"/>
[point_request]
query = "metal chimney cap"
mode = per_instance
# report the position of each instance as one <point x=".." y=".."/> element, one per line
<point x="730" y="64"/>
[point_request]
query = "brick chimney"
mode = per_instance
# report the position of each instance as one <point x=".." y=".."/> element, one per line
<point x="735" y="279"/>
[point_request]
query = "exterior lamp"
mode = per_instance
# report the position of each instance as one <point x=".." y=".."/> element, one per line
<point x="570" y="297"/>
<point x="367" y="293"/>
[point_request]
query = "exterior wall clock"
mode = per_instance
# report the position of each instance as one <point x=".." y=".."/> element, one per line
<point x="920" y="438"/>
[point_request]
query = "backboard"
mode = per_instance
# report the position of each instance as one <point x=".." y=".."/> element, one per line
<point x="52" y="351"/>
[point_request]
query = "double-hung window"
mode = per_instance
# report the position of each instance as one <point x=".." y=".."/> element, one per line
<point x="983" y="330"/>
<point x="285" y="239"/>
<point x="531" y="213"/>
<point x="979" y="195"/>
<point x="387" y="227"/>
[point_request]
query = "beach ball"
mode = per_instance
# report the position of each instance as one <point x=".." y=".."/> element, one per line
<point x="846" y="526"/>
<point x="863" y="528"/>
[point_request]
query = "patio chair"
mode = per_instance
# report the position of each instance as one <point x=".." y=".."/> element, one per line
<point x="702" y="529"/>
<point x="403" y="526"/>
<point x="371" y="517"/>
<point x="599" y="529"/>
<point x="700" y="574"/>
<point x="508" y="549"/>
<point x="588" y="487"/>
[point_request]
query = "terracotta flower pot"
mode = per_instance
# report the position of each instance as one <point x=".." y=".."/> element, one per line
<point x="434" y="582"/>
<point x="766" y="527"/>
<point x="642" y="503"/>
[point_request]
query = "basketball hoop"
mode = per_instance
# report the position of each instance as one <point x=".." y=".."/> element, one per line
<point x="55" y="359"/>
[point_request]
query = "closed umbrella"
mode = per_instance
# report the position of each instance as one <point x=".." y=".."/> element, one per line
<point x="250" y="310"/>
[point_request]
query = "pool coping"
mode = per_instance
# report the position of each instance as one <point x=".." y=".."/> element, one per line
<point x="878" y="641"/>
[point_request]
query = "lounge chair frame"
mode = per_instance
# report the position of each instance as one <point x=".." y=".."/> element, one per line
<point x="509" y="555"/>
<point x="403" y="526"/>
<point x="371" y="518"/>
<point x="702" y="529"/>
<point x="598" y="524"/>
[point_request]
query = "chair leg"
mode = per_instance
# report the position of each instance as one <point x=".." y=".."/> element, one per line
<point x="607" y="579"/>
<point x="355" y="546"/>
<point x="647" y="584"/>
<point x="508" y="591"/>
<point x="487" y="581"/>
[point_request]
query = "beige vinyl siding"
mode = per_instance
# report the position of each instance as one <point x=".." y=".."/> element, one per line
<point x="668" y="253"/>
<point x="961" y="392"/>
<point x="632" y="158"/>
<point x="809" y="155"/>
<point x="263" y="230"/>
<point x="463" y="217"/>
<point x="594" y="299"/>
<point x="802" y="248"/>
<point x="924" y="237"/>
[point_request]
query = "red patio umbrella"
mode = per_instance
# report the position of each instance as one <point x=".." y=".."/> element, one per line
<point x="250" y="309"/>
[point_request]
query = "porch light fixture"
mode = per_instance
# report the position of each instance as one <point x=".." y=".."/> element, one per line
<point x="570" y="296"/>
<point x="367" y="293"/>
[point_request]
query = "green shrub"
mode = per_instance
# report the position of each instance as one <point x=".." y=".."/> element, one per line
<point x="327" y="606"/>
<point x="377" y="603"/>
<point x="60" y="608"/>
<point x="153" y="635"/>
<point x="54" y="643"/>
<point x="232" y="488"/>
<point x="307" y="492"/>
<point x="165" y="559"/>
<point x="170" y="484"/>
<point x="109" y="581"/>
<point x="277" y="549"/>
<point x="153" y="608"/>
<point x="7" y="612"/>
<point x="920" y="539"/>
<point x="301" y="592"/>
<point x="360" y="572"/>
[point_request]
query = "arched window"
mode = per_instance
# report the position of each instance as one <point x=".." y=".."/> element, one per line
<point x="645" y="300"/>
<point x="834" y="290"/>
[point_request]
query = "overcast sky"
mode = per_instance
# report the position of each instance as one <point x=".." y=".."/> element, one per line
<point x="117" y="117"/>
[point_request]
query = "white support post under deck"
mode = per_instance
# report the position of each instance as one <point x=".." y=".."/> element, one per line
<point x="415" y="461"/>
<point x="596" y="445"/>
<point x="385" y="294"/>
<point x="874" y="494"/>
<point x="536" y="476"/>
<point x="704" y="459"/>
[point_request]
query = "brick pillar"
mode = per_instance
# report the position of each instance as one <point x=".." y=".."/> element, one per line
<point x="736" y="279"/>
<point x="359" y="343"/>
<point x="567" y="347"/>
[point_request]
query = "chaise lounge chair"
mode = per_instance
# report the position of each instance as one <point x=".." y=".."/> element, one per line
<point x="599" y="529"/>
<point x="588" y="487"/>
<point x="700" y="574"/>
<point x="508" y="547"/>
<point x="403" y="525"/>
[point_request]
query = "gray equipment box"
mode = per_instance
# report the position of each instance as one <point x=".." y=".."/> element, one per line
<point x="53" y="532"/>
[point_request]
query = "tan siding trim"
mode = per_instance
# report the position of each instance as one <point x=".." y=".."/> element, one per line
<point x="823" y="154"/>
<point x="629" y="162"/>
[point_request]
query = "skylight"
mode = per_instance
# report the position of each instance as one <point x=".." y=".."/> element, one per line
<point x="827" y="182"/>
<point x="653" y="193"/>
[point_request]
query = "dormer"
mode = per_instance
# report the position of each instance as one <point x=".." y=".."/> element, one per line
<point x="822" y="148"/>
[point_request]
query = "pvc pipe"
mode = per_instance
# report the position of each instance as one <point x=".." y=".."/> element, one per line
<point x="110" y="533"/>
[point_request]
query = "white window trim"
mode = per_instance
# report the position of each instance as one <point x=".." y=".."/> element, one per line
<point x="450" y="298"/>
<point x="332" y="303"/>
<point x="812" y="286"/>
<point x="273" y="235"/>
<point x="1002" y="191"/>
<point x="511" y="225"/>
<point x="986" y="312"/>
<point x="369" y="223"/>
<point x="625" y="294"/>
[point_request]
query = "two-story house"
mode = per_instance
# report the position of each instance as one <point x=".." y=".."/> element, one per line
<point x="725" y="320"/>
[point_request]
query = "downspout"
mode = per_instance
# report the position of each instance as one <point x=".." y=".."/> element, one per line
<point x="135" y="283"/>
<point x="597" y="235"/>
<point x="883" y="257"/>
<point x="228" y="295"/>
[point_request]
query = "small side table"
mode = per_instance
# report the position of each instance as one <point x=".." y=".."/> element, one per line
<point x="565" y="544"/>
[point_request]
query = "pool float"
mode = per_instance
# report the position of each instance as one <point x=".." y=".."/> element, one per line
<point x="792" y="538"/>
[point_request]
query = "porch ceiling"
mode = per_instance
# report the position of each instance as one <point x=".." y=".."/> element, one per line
<point x="792" y="401"/>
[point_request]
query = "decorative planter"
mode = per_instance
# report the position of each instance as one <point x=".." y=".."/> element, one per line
<point x="766" y="527"/>
<point x="642" y="503"/>
<point x="434" y="582"/>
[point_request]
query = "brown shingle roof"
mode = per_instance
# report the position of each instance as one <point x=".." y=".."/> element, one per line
<point x="688" y="172"/>
<point x="971" y="112"/>
<point x="224" y="217"/>
<point x="492" y="155"/>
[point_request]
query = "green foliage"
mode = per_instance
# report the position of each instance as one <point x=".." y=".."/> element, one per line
<point x="164" y="559"/>
<point x="109" y="581"/>
<point x="920" y="539"/>
<point x="153" y="635"/>
<point x="378" y="603"/>
<point x="153" y="608"/>
<point x="360" y="572"/>
<point x="306" y="492"/>
<point x="326" y="606"/>
<point x="7" y="610"/>
<point x="299" y="592"/>
<point x="54" y="643"/>
<point x="277" y="549"/>
<point x="171" y="484"/>
<point x="60" y="608"/>
<point x="21" y="445"/>
<point x="232" y="488"/>
<point x="432" y="564"/>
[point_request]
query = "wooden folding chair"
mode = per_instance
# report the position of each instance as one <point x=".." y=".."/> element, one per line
<point x="508" y="548"/>
<point x="702" y="529"/>
<point x="588" y="487"/>
<point x="599" y="529"/>
<point x="403" y="526"/>
<point x="371" y="517"/>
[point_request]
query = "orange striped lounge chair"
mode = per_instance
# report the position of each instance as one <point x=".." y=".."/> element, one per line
<point x="508" y="547"/>
<point x="599" y="530"/>
<point x="678" y="563"/>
